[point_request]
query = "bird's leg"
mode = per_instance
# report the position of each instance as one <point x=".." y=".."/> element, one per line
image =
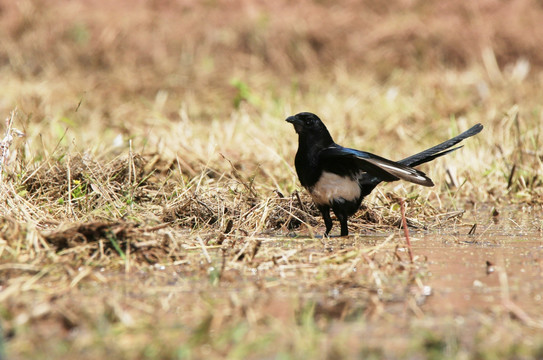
<point x="342" y="217"/>
<point x="325" y="211"/>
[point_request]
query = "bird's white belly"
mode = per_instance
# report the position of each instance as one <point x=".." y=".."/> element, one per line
<point x="332" y="187"/>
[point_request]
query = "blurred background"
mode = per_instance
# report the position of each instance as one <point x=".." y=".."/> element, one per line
<point x="208" y="49"/>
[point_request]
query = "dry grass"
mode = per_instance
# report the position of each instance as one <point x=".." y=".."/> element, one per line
<point x="151" y="209"/>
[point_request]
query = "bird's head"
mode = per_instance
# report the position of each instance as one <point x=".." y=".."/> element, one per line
<point x="311" y="130"/>
<point x="306" y="123"/>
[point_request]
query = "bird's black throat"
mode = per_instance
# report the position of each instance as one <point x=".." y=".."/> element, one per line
<point x="307" y="156"/>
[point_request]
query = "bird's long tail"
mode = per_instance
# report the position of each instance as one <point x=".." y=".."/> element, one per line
<point x="441" y="149"/>
<point x="369" y="182"/>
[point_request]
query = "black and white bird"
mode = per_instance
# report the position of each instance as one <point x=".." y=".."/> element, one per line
<point x="338" y="178"/>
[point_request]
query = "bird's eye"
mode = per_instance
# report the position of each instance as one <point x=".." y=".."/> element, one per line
<point x="307" y="122"/>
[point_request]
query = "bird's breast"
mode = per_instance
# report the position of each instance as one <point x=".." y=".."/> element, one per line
<point x="332" y="187"/>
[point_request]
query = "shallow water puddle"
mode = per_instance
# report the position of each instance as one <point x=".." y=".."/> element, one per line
<point x="467" y="273"/>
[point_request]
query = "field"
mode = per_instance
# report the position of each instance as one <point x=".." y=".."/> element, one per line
<point x="150" y="207"/>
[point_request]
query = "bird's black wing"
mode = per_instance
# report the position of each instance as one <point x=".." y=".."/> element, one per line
<point x="386" y="170"/>
<point x="441" y="149"/>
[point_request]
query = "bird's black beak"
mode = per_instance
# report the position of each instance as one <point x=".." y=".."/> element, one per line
<point x="298" y="124"/>
<point x="291" y="119"/>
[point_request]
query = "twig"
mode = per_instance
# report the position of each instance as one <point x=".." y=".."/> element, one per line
<point x="153" y="228"/>
<point x="69" y="175"/>
<point x="472" y="230"/>
<point x="204" y="250"/>
<point x="5" y="144"/>
<point x="130" y="161"/>
<point x="405" y="230"/>
<point x="297" y="194"/>
<point x="381" y="245"/>
<point x="127" y="258"/>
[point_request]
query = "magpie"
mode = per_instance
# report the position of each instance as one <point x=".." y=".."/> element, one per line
<point x="338" y="178"/>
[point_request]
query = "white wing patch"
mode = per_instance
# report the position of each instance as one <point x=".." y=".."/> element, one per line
<point x="399" y="170"/>
<point x="402" y="172"/>
<point x="331" y="187"/>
